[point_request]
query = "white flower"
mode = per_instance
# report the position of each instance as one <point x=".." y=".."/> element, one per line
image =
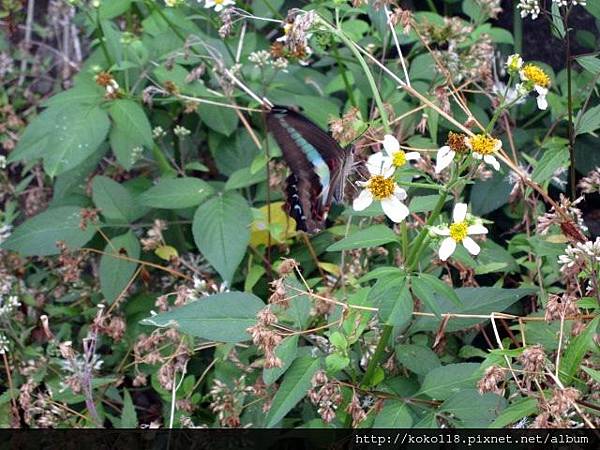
<point x="541" y="97"/>
<point x="444" y="158"/>
<point x="381" y="186"/>
<point x="484" y="147"/>
<point x="529" y="7"/>
<point x="397" y="156"/>
<point x="459" y="232"/>
<point x="2" y="162"/>
<point x="514" y="63"/>
<point x="533" y="77"/>
<point x="218" y="5"/>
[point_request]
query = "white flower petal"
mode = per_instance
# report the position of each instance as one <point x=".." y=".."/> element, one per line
<point x="394" y="209"/>
<point x="541" y="98"/>
<point x="400" y="193"/>
<point x="477" y="155"/>
<point x="492" y="161"/>
<point x="441" y="231"/>
<point x="390" y="144"/>
<point x="447" y="248"/>
<point x="444" y="158"/>
<point x="477" y="229"/>
<point x="459" y="213"/>
<point x="377" y="163"/>
<point x="364" y="199"/>
<point x="471" y="246"/>
<point x="497" y="144"/>
<point x="413" y="156"/>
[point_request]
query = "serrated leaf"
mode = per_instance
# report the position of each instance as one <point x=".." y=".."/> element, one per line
<point x="177" y="193"/>
<point x="394" y="414"/>
<point x="220" y="317"/>
<point x="470" y="409"/>
<point x="589" y="122"/>
<point x="221" y="232"/>
<point x="220" y="119"/>
<point x="128" y="414"/>
<point x="113" y="199"/>
<point x="521" y="408"/>
<point x="435" y="285"/>
<point x="416" y="358"/>
<point x="115" y="272"/>
<point x="76" y="134"/>
<point x="369" y="237"/>
<point x="286" y="351"/>
<point x="38" y="235"/>
<point x="392" y="297"/>
<point x="483" y="300"/>
<point x="443" y="382"/>
<point x="576" y="350"/>
<point x="294" y="387"/>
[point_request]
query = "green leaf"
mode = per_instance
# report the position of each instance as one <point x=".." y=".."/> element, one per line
<point x="417" y="359"/>
<point x="394" y="414"/>
<point x="559" y="28"/>
<point x="368" y="237"/>
<point x="393" y="299"/>
<point x="295" y="385"/>
<point x="84" y="94"/>
<point x="286" y="351"/>
<point x="433" y="284"/>
<point x="590" y="63"/>
<point x="220" y="119"/>
<point x="521" y="408"/>
<point x="244" y="177"/>
<point x="593" y="8"/>
<point x="595" y="374"/>
<point x="76" y="135"/>
<point x="221" y="232"/>
<point x="470" y="409"/>
<point x="115" y="272"/>
<point x="38" y="235"/>
<point x="574" y="353"/>
<point x="220" y="317"/>
<point x="589" y="122"/>
<point x="443" y="382"/>
<point x="177" y="193"/>
<point x="128" y="414"/>
<point x="131" y="129"/>
<point x="553" y="158"/>
<point x="483" y="300"/>
<point x="491" y="194"/>
<point x="113" y="8"/>
<point x="113" y="199"/>
<point x="423" y="203"/>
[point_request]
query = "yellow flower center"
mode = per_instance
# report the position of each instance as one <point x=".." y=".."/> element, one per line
<point x="458" y="231"/>
<point x="399" y="158"/>
<point x="536" y="75"/>
<point x="381" y="187"/>
<point x="484" y="145"/>
<point x="219" y="2"/>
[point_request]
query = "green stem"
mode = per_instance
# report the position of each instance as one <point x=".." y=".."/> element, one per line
<point x="376" y="96"/>
<point x="571" y="129"/>
<point x="420" y="185"/>
<point x="517" y="30"/>
<point x="344" y="76"/>
<point x="414" y="255"/>
<point x="377" y="356"/>
<point x="432" y="6"/>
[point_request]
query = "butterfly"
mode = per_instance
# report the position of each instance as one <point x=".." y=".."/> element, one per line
<point x="319" y="167"/>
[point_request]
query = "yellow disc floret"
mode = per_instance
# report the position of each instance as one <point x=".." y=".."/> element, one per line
<point x="458" y="231"/>
<point x="484" y="145"/>
<point x="536" y="75"/>
<point x="399" y="158"/>
<point x="381" y="187"/>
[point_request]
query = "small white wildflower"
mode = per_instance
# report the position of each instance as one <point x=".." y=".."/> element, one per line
<point x="458" y="232"/>
<point x="136" y="154"/>
<point x="181" y="131"/>
<point x="396" y="155"/>
<point x="8" y="305"/>
<point x="218" y="5"/>
<point x="280" y="64"/>
<point x="5" y="231"/>
<point x="260" y="58"/>
<point x="382" y="187"/>
<point x="158" y="132"/>
<point x="534" y="78"/>
<point x="3" y="162"/>
<point x="529" y="8"/>
<point x="514" y="63"/>
<point x="3" y="344"/>
<point x="484" y="147"/>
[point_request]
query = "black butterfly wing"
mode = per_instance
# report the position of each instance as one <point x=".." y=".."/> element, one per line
<point x="316" y="161"/>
